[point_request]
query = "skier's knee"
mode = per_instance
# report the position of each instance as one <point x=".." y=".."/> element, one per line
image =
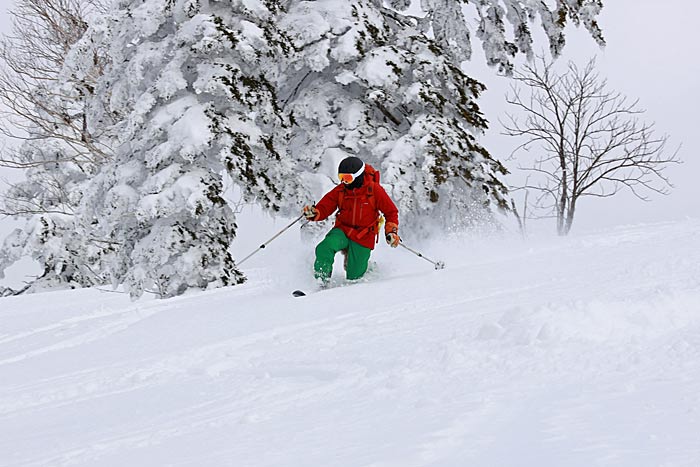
<point x="324" y="251"/>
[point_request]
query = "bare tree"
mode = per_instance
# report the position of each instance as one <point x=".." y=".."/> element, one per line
<point x="587" y="140"/>
<point x="44" y="107"/>
<point x="32" y="107"/>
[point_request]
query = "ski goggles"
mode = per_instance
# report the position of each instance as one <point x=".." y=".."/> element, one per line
<point x="349" y="178"/>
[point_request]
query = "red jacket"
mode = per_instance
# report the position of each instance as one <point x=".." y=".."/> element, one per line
<point x="358" y="215"/>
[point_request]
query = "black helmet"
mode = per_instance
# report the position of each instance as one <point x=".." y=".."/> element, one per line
<point x="351" y="171"/>
<point x="351" y="165"/>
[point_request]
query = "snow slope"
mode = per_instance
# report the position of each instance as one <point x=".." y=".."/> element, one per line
<point x="566" y="352"/>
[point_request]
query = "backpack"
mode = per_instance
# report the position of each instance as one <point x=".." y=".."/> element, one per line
<point x="374" y="177"/>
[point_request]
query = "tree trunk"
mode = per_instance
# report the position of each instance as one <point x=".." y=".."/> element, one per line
<point x="570" y="217"/>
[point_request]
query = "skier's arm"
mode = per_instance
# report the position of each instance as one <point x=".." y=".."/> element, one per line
<point x="387" y="206"/>
<point x="391" y="213"/>
<point x="328" y="204"/>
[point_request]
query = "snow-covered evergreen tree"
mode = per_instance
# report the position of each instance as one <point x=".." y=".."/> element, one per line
<point x="369" y="82"/>
<point x="450" y="22"/>
<point x="48" y="199"/>
<point x="194" y="84"/>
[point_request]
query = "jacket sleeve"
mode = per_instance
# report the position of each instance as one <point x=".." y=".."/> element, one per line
<point x="387" y="206"/>
<point x="328" y="204"/>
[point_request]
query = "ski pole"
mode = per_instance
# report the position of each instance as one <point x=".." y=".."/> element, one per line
<point x="270" y="240"/>
<point x="438" y="264"/>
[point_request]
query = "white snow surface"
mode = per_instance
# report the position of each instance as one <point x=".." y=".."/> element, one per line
<point x="582" y="351"/>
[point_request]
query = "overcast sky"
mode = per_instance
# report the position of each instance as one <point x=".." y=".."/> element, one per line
<point x="652" y="54"/>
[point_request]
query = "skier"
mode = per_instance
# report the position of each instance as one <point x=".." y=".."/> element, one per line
<point x="358" y="198"/>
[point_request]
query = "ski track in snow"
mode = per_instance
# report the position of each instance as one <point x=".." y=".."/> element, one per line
<point x="576" y="352"/>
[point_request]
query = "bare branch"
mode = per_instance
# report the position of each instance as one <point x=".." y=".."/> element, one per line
<point x="590" y="141"/>
<point x="31" y="60"/>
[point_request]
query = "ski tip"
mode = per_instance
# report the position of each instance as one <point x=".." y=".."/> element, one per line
<point x="298" y="293"/>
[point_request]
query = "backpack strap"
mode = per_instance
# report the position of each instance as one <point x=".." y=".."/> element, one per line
<point x="341" y="197"/>
<point x="370" y="194"/>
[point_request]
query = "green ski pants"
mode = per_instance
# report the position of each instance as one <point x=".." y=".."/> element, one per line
<point x="335" y="241"/>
